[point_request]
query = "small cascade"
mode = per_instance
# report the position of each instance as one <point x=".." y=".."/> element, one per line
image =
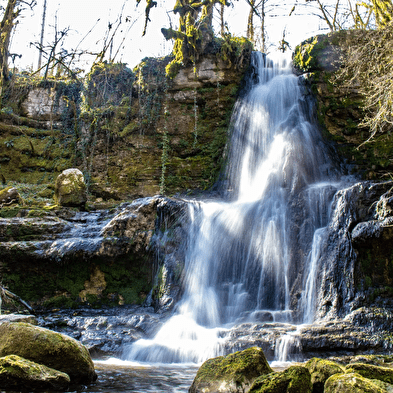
<point x="287" y="349"/>
<point x="246" y="254"/>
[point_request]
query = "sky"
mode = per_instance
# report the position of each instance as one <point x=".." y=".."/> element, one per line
<point x="87" y="21"/>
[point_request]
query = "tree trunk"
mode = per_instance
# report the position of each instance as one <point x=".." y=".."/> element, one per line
<point x="6" y="27"/>
<point x="42" y="35"/>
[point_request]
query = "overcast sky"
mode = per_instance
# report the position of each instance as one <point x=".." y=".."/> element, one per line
<point x="81" y="16"/>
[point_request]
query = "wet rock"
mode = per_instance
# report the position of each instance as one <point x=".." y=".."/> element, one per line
<point x="70" y="188"/>
<point x="295" y="379"/>
<point x="352" y="383"/>
<point x="105" y="331"/>
<point x="18" y="374"/>
<point x="18" y="318"/>
<point x="321" y="370"/>
<point x="346" y="260"/>
<point x="14" y="229"/>
<point x="8" y="196"/>
<point x="233" y="373"/>
<point x="49" y="348"/>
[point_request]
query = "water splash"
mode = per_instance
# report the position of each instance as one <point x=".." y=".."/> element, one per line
<point x="244" y="255"/>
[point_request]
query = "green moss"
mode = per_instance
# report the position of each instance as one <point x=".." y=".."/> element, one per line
<point x="370" y="371"/>
<point x="304" y="58"/>
<point x="321" y="370"/>
<point x="294" y="379"/>
<point x="351" y="383"/>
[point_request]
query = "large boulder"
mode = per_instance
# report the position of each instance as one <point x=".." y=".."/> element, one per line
<point x="321" y="370"/>
<point x="233" y="373"/>
<point x="49" y="348"/>
<point x="295" y="379"/>
<point x="18" y="374"/>
<point x="70" y="188"/>
<point x="352" y="383"/>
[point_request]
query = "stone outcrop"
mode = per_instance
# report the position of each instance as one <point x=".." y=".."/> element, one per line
<point x="49" y="348"/>
<point x="18" y="374"/>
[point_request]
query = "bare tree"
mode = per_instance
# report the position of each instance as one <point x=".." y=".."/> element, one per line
<point x="7" y="24"/>
<point x="42" y="34"/>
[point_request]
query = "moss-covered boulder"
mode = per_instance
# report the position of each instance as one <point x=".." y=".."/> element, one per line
<point x="70" y="188"/>
<point x="49" y="348"/>
<point x="8" y="196"/>
<point x="352" y="383"/>
<point x="321" y="370"/>
<point x="19" y="374"/>
<point x="232" y="373"/>
<point x="295" y="379"/>
<point x="370" y="371"/>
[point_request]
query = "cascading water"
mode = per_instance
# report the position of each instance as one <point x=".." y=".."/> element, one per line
<point x="245" y="255"/>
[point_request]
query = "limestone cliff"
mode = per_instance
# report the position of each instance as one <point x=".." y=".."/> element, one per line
<point x="132" y="133"/>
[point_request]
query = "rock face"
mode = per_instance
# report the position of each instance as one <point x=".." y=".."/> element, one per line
<point x="42" y="104"/>
<point x="339" y="109"/>
<point x="45" y="347"/>
<point x="125" y="252"/>
<point x="70" y="188"/>
<point x="138" y="134"/>
<point x="233" y="373"/>
<point x="18" y="374"/>
<point x="356" y="251"/>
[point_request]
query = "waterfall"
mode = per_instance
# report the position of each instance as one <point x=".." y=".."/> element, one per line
<point x="246" y="254"/>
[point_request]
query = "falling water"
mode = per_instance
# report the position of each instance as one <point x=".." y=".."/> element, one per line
<point x="243" y="254"/>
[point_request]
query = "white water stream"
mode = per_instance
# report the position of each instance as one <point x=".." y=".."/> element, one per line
<point x="243" y="255"/>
